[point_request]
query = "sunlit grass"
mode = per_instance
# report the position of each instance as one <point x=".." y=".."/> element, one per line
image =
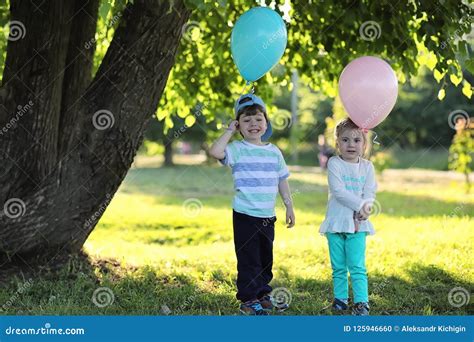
<point x="154" y="252"/>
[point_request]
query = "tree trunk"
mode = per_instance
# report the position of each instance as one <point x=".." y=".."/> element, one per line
<point x="209" y="159"/>
<point x="66" y="150"/>
<point x="168" y="154"/>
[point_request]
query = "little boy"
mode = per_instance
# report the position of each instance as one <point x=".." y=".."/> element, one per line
<point x="259" y="172"/>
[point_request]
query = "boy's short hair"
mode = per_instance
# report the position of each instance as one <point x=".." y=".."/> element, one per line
<point x="250" y="110"/>
<point x="249" y="104"/>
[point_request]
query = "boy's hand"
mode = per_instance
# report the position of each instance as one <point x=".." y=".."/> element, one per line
<point x="233" y="126"/>
<point x="290" y="217"/>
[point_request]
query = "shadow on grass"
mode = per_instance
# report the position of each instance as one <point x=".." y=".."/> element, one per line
<point x="104" y="287"/>
<point x="425" y="293"/>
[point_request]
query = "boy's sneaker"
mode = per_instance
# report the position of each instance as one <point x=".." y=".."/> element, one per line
<point x="252" y="308"/>
<point x="269" y="303"/>
<point x="361" y="309"/>
<point x="340" y="305"/>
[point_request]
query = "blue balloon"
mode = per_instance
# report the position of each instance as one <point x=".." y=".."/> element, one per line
<point x="257" y="42"/>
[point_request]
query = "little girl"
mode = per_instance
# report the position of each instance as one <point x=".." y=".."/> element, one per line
<point x="352" y="188"/>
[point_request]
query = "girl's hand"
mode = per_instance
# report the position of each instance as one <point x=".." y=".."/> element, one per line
<point x="233" y="126"/>
<point x="365" y="212"/>
<point x="290" y="217"/>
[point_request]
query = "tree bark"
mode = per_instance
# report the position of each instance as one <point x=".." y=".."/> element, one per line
<point x="33" y="74"/>
<point x="168" y="153"/>
<point x="65" y="158"/>
<point x="78" y="71"/>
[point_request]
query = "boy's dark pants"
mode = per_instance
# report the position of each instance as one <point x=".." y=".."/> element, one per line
<point x="253" y="240"/>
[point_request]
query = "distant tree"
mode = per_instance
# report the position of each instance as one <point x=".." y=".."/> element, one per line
<point x="462" y="149"/>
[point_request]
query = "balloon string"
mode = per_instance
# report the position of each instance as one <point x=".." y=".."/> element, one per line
<point x="252" y="90"/>
<point x="243" y="89"/>
<point x="247" y="83"/>
<point x="375" y="139"/>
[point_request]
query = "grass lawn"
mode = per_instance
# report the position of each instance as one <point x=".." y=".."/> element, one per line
<point x="430" y="158"/>
<point x="164" y="246"/>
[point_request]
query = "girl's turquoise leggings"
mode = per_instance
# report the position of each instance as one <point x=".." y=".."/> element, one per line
<point x="347" y="252"/>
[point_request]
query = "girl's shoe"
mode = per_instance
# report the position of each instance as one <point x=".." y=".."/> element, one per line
<point x="252" y="308"/>
<point x="361" y="309"/>
<point x="340" y="305"/>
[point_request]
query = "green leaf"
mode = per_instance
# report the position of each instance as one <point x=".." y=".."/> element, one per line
<point x="469" y="65"/>
<point x="441" y="94"/>
<point x="431" y="61"/>
<point x="438" y="75"/>
<point x="467" y="89"/>
<point x="455" y="80"/>
<point x="104" y="10"/>
<point x="463" y="48"/>
<point x="190" y="120"/>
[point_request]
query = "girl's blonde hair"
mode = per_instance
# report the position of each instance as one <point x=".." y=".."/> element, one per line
<point x="346" y="125"/>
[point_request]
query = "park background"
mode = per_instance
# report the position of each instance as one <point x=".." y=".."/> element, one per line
<point x="163" y="245"/>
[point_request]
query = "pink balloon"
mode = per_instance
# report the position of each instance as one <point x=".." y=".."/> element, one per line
<point x="368" y="89"/>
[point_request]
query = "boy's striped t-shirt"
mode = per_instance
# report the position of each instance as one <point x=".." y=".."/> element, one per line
<point x="257" y="170"/>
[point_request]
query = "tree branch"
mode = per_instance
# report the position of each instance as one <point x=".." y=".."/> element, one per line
<point x="79" y="63"/>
